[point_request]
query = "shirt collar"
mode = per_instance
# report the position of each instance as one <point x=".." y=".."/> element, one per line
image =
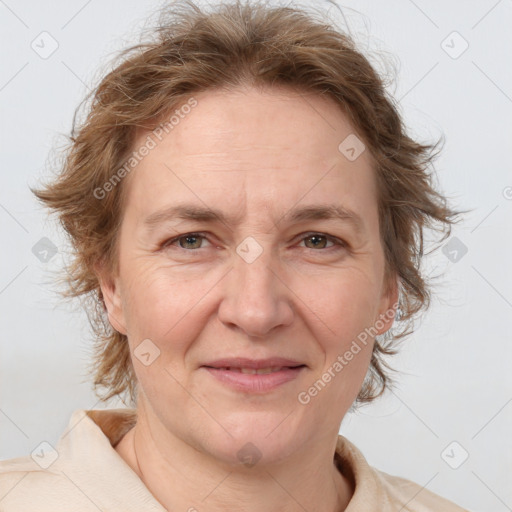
<point x="87" y="448"/>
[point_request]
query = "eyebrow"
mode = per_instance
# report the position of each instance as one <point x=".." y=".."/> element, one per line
<point x="295" y="215"/>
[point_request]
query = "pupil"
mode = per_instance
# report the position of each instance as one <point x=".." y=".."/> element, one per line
<point x="188" y="238"/>
<point x="317" y="238"/>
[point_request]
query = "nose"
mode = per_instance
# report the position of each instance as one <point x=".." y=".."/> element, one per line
<point x="256" y="299"/>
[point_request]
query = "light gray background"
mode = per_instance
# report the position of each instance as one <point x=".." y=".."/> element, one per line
<point x="456" y="383"/>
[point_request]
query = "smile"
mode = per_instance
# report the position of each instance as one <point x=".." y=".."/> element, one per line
<point x="253" y="371"/>
<point x="254" y="380"/>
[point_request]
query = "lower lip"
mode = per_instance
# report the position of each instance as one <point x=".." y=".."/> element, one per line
<point x="255" y="383"/>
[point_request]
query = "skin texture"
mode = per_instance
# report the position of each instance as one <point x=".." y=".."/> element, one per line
<point x="255" y="154"/>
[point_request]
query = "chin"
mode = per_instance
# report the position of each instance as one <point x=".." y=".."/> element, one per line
<point x="255" y="438"/>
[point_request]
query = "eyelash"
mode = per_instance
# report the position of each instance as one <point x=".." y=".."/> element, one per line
<point x="336" y="241"/>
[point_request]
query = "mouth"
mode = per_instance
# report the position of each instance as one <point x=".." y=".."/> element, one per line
<point x="254" y="376"/>
<point x="254" y="371"/>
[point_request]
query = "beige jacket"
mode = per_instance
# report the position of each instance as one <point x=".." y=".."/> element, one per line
<point x="85" y="474"/>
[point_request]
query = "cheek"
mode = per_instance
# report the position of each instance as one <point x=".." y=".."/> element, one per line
<point x="163" y="319"/>
<point x="165" y="306"/>
<point x="343" y="313"/>
<point x="342" y="310"/>
<point x="345" y="302"/>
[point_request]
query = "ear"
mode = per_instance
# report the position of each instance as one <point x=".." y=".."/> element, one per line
<point x="388" y="304"/>
<point x="111" y="292"/>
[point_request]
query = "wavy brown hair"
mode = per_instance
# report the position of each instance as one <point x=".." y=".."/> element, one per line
<point x="235" y="44"/>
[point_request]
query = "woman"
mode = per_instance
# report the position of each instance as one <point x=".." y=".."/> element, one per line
<point x="246" y="210"/>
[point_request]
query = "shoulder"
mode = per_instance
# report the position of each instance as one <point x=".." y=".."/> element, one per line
<point x="82" y="473"/>
<point x="376" y="490"/>
<point x="35" y="465"/>
<point x="412" y="496"/>
<point x="23" y="483"/>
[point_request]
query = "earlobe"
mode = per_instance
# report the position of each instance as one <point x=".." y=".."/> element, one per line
<point x="111" y="292"/>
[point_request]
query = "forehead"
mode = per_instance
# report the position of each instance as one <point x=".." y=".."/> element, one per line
<point x="264" y="121"/>
<point x="251" y="146"/>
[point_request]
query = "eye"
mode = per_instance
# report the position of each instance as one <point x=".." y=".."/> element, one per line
<point x="319" y="240"/>
<point x="193" y="241"/>
<point x="188" y="241"/>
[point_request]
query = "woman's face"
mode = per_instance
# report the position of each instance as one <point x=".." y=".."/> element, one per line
<point x="272" y="284"/>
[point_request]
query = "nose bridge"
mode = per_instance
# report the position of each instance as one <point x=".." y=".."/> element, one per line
<point x="256" y="300"/>
<point x="253" y="268"/>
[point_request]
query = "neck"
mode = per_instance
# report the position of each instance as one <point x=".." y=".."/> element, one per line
<point x="182" y="478"/>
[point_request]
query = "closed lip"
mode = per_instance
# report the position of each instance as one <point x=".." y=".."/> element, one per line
<point x="243" y="362"/>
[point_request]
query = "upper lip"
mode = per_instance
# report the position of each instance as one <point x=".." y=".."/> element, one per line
<point x="243" y="362"/>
